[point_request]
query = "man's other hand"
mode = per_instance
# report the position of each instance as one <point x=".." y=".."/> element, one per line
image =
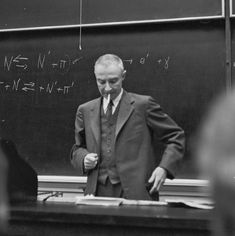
<point x="157" y="179"/>
<point x="90" y="161"/>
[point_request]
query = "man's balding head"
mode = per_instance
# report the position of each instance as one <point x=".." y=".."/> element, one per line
<point x="108" y="60"/>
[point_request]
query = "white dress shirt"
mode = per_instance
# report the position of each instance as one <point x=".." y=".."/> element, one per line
<point x="115" y="102"/>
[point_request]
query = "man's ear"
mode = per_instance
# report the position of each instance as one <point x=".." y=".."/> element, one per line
<point x="123" y="74"/>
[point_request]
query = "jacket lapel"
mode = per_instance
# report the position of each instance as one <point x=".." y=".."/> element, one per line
<point x="125" y="111"/>
<point x="95" y="120"/>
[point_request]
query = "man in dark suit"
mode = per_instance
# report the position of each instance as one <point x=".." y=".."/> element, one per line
<point x="114" y="138"/>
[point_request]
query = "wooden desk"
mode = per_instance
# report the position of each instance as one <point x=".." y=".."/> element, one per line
<point x="68" y="219"/>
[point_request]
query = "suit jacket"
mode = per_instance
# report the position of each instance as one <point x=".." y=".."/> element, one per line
<point x="138" y="119"/>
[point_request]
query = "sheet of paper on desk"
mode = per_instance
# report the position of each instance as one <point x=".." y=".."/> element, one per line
<point x="98" y="201"/>
<point x="193" y="204"/>
<point x="143" y="203"/>
<point x="105" y="201"/>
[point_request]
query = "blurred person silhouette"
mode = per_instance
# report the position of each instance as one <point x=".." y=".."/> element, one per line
<point x="22" y="182"/>
<point x="3" y="194"/>
<point x="216" y="156"/>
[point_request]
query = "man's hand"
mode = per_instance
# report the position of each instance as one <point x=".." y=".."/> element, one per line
<point x="90" y="161"/>
<point x="157" y="178"/>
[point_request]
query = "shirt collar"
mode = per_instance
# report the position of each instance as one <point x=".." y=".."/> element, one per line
<point x="115" y="101"/>
<point x="118" y="98"/>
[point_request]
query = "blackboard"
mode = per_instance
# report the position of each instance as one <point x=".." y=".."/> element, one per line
<point x="115" y="11"/>
<point x="42" y="13"/>
<point x="44" y="77"/>
<point x="27" y="13"/>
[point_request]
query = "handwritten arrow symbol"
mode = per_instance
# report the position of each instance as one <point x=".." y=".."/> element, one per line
<point x="16" y="59"/>
<point x="31" y="84"/>
<point x="28" y="89"/>
<point x="25" y="66"/>
<point x="23" y="58"/>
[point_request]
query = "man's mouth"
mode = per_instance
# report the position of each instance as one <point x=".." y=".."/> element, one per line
<point x="107" y="94"/>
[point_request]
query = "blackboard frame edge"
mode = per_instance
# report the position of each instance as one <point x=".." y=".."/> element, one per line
<point x="231" y="13"/>
<point x="120" y="23"/>
<point x="231" y="8"/>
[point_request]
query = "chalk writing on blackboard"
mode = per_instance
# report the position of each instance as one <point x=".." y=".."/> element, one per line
<point x="18" y="61"/>
<point x="161" y="61"/>
<point x="49" y="88"/>
<point x="63" y="64"/>
<point x="50" y="62"/>
<point x="60" y="64"/>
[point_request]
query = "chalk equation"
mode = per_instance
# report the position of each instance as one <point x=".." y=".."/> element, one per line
<point x="29" y="87"/>
<point x="45" y="62"/>
<point x="160" y="61"/>
<point x="40" y="65"/>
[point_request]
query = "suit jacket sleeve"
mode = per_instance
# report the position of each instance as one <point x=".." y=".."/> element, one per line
<point x="169" y="133"/>
<point x="79" y="150"/>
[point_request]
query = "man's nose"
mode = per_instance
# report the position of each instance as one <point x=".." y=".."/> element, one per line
<point x="107" y="87"/>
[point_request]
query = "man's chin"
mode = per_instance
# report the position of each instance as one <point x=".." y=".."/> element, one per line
<point x="105" y="95"/>
<point x="113" y="96"/>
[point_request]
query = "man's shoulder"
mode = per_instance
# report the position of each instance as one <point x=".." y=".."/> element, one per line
<point x="139" y="98"/>
<point x="143" y="101"/>
<point x="90" y="103"/>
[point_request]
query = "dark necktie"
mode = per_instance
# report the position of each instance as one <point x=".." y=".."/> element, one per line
<point x="109" y="110"/>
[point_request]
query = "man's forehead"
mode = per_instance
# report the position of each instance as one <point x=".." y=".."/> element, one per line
<point x="108" y="67"/>
<point x="111" y="69"/>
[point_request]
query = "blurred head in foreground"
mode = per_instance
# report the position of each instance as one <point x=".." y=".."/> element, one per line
<point x="217" y="141"/>
<point x="216" y="155"/>
<point x="3" y="193"/>
<point x="22" y="180"/>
